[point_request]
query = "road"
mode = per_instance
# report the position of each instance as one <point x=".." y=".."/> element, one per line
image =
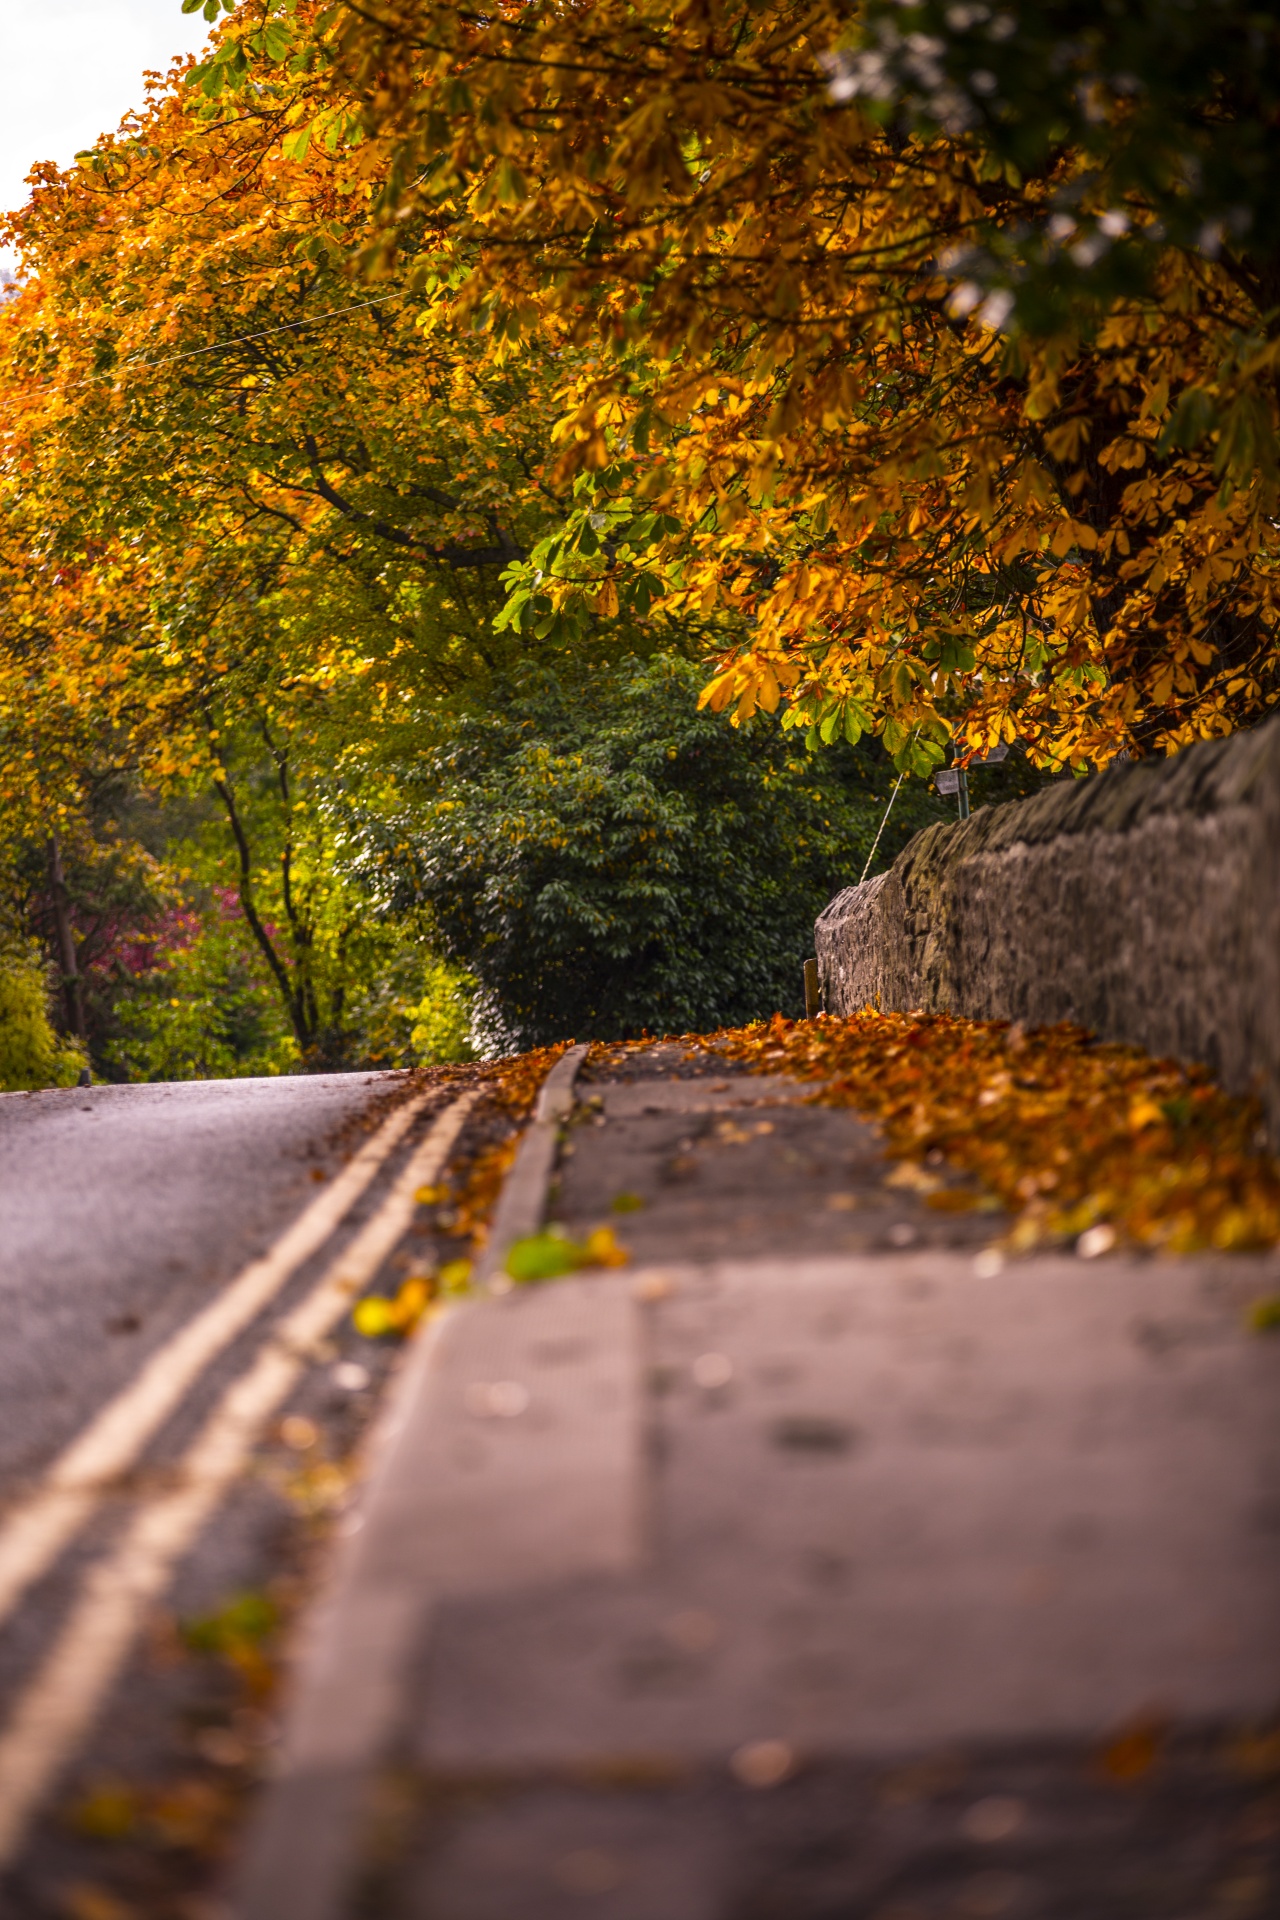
<point x="155" y="1240"/>
<point x="124" y="1208"/>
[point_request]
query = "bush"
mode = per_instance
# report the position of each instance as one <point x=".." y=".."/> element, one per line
<point x="415" y="1009"/>
<point x="606" y="860"/>
<point x="205" y="1010"/>
<point x="31" y="1052"/>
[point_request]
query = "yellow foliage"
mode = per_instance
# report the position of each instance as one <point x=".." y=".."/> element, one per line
<point x="775" y="335"/>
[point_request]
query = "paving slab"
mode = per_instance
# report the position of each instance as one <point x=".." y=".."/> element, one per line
<point x="801" y="1571"/>
<point x="891" y="1504"/>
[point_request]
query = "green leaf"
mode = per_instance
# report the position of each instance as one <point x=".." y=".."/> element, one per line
<point x="1193" y="417"/>
<point x="644" y="591"/>
<point x="955" y="655"/>
<point x="542" y="1256"/>
<point x="1264" y="1314"/>
<point x="856" y="722"/>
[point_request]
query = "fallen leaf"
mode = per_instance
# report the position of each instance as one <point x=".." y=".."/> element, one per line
<point x="543" y="1256"/>
<point x="108" y="1811"/>
<point x="85" y="1900"/>
<point x="1134" y="1750"/>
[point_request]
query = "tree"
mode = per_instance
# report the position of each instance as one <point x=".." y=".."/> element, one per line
<point x="606" y="859"/>
<point x="946" y="390"/>
<point x="31" y="1052"/>
<point x="254" y="524"/>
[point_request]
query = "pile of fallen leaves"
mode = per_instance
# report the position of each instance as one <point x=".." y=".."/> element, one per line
<point x="1068" y="1135"/>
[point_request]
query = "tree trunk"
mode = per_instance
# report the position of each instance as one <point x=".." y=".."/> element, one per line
<point x="72" y="994"/>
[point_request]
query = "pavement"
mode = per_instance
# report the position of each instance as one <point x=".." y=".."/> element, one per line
<point x="819" y="1563"/>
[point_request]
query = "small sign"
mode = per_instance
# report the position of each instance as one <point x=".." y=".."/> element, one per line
<point x="947" y="781"/>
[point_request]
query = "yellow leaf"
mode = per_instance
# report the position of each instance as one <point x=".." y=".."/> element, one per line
<point x="373" y="1317"/>
<point x="913" y="1178"/>
<point x="601" y="1249"/>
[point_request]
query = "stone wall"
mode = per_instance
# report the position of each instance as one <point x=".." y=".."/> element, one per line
<point x="1143" y="903"/>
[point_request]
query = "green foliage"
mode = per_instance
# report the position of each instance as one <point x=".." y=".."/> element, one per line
<point x="606" y="859"/>
<point x="442" y="1030"/>
<point x="209" y="1012"/>
<point x="412" y="1008"/>
<point x="31" y="1053"/>
<point x="210" y="1009"/>
<point x="243" y="1621"/>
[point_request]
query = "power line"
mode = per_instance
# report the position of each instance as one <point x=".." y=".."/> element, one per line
<point x="876" y="842"/>
<point x="236" y="340"/>
<point x="892" y="797"/>
<point x="239" y="339"/>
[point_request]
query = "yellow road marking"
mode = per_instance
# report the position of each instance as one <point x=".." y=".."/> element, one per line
<point x="38" y="1528"/>
<point x="60" y="1704"/>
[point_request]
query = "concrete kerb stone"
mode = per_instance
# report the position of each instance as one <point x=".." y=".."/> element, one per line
<point x="390" y="1569"/>
<point x="1143" y="903"/>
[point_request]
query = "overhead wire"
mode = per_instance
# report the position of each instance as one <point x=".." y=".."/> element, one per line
<point x="236" y="340"/>
<point x="239" y="339"/>
<point x="880" y="829"/>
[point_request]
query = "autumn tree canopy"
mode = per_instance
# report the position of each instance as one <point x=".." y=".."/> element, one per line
<point x="259" y="526"/>
<point x="254" y="524"/>
<point x="910" y="367"/>
<point x="927" y="351"/>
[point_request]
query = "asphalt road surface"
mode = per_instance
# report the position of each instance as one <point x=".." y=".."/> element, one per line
<point x="124" y="1208"/>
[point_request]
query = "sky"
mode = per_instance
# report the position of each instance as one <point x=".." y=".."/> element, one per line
<point x="72" y="69"/>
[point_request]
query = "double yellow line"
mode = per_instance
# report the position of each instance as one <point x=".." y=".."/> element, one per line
<point x="60" y="1703"/>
